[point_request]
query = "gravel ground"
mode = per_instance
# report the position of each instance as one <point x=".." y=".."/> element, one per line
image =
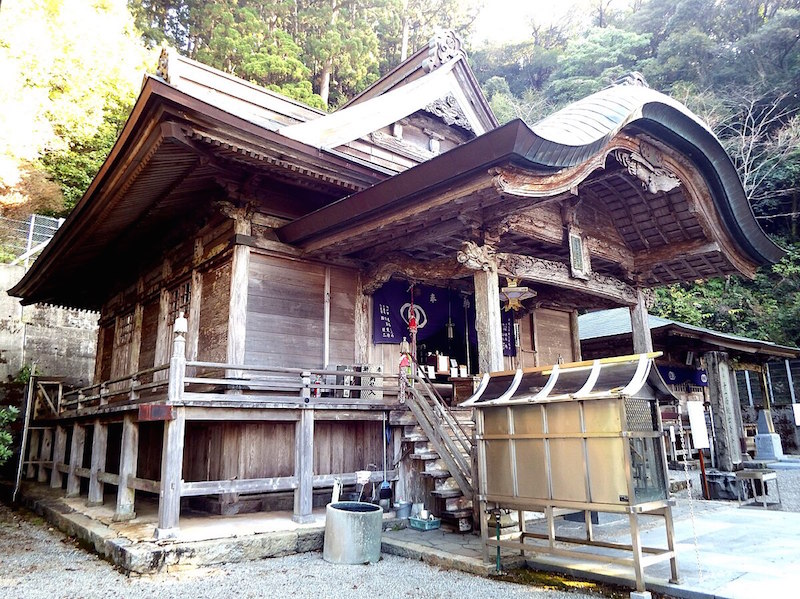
<point x="39" y="562"/>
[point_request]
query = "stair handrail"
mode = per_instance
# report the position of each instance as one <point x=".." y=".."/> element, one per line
<point x="443" y="444"/>
<point x="444" y="416"/>
<point x="447" y="414"/>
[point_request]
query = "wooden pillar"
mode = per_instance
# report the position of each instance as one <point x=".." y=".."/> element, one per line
<point x="193" y="334"/>
<point x="363" y="314"/>
<point x="487" y="320"/>
<point x="128" y="463"/>
<point x="75" y="460"/>
<point x="304" y="466"/>
<point x="575" y="336"/>
<point x="326" y="319"/>
<point x="237" y="316"/>
<point x="33" y="452"/>
<point x="640" y="326"/>
<point x="169" y="496"/>
<point x="45" y="453"/>
<point x="99" y="445"/>
<point x="59" y="451"/>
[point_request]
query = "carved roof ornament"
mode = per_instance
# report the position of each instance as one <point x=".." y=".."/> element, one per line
<point x="653" y="178"/>
<point x="449" y="111"/>
<point x="162" y="70"/>
<point x="632" y="78"/>
<point x="477" y="257"/>
<point x="444" y="46"/>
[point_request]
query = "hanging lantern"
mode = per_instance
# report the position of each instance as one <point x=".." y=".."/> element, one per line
<point x="513" y="294"/>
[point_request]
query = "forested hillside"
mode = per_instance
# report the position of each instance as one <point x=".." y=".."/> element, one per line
<point x="71" y="72"/>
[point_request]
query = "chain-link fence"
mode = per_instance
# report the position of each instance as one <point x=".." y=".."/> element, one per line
<point x="22" y="240"/>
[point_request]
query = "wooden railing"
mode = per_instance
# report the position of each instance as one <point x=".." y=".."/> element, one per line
<point x="442" y="430"/>
<point x="127" y="388"/>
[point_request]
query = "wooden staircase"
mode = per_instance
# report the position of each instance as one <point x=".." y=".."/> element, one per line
<point x="441" y="447"/>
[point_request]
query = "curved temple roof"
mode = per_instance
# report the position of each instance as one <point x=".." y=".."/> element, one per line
<point x="569" y="138"/>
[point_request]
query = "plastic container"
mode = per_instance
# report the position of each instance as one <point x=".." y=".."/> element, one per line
<point x="352" y="533"/>
<point x="420" y="524"/>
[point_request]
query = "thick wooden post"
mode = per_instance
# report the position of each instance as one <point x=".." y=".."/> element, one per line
<point x="304" y="466"/>
<point x="640" y="326"/>
<point x="45" y="454"/>
<point x="724" y="400"/>
<point x="128" y="463"/>
<point x="99" y="445"/>
<point x="487" y="320"/>
<point x="237" y="316"/>
<point x="59" y="451"/>
<point x="33" y="452"/>
<point x="169" y="496"/>
<point x="76" y="460"/>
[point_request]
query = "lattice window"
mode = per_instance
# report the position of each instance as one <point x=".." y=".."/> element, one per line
<point x="641" y="415"/>
<point x="124" y="330"/>
<point x="179" y="299"/>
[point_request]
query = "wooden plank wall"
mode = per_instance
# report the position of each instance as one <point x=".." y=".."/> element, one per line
<point x="151" y="439"/>
<point x="105" y="352"/>
<point x="553" y="336"/>
<point x="197" y="258"/>
<point x="336" y="452"/>
<point x="286" y="313"/>
<point x="213" y="332"/>
<point x="343" y="285"/>
<point x="226" y="450"/>
<point x="147" y="350"/>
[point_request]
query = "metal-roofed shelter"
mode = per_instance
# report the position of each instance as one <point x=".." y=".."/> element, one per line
<point x="692" y="347"/>
<point x="575" y="437"/>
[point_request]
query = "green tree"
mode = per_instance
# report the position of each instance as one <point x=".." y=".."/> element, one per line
<point x="7" y="415"/>
<point x="71" y="71"/>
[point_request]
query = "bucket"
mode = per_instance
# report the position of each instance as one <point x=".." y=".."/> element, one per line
<point x="352" y="533"/>
<point x="402" y="509"/>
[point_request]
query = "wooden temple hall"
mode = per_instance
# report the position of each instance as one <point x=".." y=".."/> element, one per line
<point x="262" y="268"/>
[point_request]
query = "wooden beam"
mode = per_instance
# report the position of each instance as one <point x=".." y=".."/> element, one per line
<point x="443" y="269"/>
<point x="548" y="272"/>
<point x="544" y="223"/>
<point x="169" y="496"/>
<point x="128" y="462"/>
<point x="647" y="260"/>
<point x="75" y="459"/>
<point x="253" y="485"/>
<point x="304" y="466"/>
<point x="99" y="446"/>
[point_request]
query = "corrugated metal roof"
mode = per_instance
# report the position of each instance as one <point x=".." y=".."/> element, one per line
<point x="617" y="321"/>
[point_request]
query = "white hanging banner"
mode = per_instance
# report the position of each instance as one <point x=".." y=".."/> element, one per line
<point x="697" y="422"/>
<point x="796" y="409"/>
